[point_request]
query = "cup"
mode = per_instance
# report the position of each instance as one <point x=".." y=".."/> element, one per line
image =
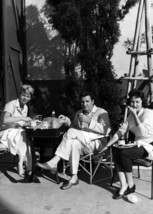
<point x="121" y="142"/>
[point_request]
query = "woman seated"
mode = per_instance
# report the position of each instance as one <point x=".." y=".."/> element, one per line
<point x="14" y="118"/>
<point x="140" y="123"/>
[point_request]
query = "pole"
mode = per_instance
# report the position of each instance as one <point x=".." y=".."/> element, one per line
<point x="149" y="43"/>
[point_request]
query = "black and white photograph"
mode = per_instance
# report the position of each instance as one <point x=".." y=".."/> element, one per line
<point x="76" y="106"/>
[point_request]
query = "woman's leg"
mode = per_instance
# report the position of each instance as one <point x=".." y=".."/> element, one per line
<point x="123" y="182"/>
<point x="20" y="165"/>
<point x="129" y="179"/>
<point x="123" y="160"/>
<point x="24" y="152"/>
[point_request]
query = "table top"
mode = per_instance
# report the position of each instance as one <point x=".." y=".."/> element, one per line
<point x="45" y="133"/>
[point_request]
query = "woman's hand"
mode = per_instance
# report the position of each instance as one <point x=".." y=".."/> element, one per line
<point x="27" y="119"/>
<point x="132" y="110"/>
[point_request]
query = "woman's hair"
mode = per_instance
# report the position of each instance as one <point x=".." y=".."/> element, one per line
<point x="27" y="89"/>
<point x="138" y="94"/>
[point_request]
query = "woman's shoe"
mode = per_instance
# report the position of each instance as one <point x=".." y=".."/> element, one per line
<point x="118" y="196"/>
<point x="46" y="166"/>
<point x="130" y="190"/>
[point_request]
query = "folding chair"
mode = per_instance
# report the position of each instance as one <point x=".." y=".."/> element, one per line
<point x="146" y="163"/>
<point x="104" y="159"/>
<point x="3" y="149"/>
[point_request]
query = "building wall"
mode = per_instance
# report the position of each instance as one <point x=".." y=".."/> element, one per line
<point x="12" y="45"/>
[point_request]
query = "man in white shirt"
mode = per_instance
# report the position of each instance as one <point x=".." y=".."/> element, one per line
<point x="89" y="122"/>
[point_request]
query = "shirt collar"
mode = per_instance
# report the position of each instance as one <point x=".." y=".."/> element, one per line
<point x="94" y="109"/>
<point x="18" y="106"/>
<point x="141" y="111"/>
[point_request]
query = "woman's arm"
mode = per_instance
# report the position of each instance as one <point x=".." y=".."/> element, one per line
<point x="134" y="114"/>
<point x="6" y="118"/>
<point x="111" y="142"/>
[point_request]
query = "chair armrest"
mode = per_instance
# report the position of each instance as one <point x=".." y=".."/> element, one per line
<point x="143" y="162"/>
<point x="3" y="147"/>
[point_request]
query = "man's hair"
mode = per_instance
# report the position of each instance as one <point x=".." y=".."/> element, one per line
<point x="86" y="93"/>
<point x="27" y="89"/>
<point x="138" y="94"/>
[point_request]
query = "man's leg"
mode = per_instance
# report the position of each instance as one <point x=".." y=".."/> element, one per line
<point x="76" y="151"/>
<point x="63" y="151"/>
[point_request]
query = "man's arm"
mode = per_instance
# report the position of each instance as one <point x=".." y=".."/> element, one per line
<point x="101" y="123"/>
<point x="65" y="120"/>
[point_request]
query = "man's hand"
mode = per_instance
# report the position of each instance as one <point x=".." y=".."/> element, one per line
<point x="83" y="118"/>
<point x="64" y="120"/>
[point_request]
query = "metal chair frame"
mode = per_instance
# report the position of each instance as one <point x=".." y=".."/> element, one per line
<point x="4" y="150"/>
<point x="147" y="163"/>
<point x="89" y="158"/>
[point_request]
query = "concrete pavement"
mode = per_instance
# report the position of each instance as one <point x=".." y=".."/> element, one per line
<point x="17" y="196"/>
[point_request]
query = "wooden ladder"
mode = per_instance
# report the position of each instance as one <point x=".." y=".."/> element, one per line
<point x="144" y="14"/>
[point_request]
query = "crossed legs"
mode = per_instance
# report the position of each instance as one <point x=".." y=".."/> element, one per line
<point x="70" y="149"/>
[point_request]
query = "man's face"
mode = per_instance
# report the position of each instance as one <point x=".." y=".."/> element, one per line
<point x="87" y="104"/>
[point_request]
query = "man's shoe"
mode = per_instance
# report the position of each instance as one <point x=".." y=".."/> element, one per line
<point x="46" y="166"/>
<point x="130" y="190"/>
<point x="68" y="185"/>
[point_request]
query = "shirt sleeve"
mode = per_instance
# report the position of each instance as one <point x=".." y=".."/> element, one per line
<point x="9" y="107"/>
<point x="101" y="124"/>
<point x="146" y="124"/>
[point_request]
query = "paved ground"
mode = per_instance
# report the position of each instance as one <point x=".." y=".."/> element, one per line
<point x="19" y="197"/>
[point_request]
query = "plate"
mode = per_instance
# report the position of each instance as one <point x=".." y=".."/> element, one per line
<point x="29" y="127"/>
<point x="126" y="146"/>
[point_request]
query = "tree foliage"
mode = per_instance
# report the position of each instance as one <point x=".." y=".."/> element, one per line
<point x="92" y="26"/>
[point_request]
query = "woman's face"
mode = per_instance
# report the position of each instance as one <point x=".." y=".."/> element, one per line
<point x="24" y="98"/>
<point x="136" y="103"/>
